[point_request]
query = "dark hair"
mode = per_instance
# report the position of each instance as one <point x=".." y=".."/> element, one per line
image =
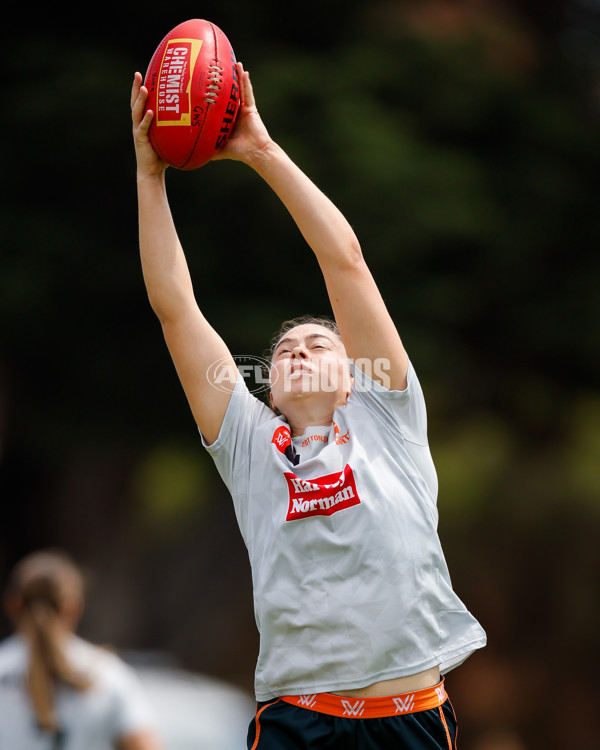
<point x="302" y="320"/>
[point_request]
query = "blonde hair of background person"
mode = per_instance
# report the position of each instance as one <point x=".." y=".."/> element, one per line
<point x="57" y="690"/>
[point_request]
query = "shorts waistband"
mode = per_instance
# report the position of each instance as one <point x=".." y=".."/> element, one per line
<point x="371" y="708"/>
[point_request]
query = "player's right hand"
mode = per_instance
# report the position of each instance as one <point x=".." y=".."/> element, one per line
<point x="148" y="161"/>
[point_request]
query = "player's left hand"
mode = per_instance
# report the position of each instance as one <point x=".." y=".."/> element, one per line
<point x="249" y="138"/>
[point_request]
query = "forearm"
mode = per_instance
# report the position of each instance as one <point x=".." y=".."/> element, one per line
<point x="164" y="266"/>
<point x="365" y="325"/>
<point x="323" y="226"/>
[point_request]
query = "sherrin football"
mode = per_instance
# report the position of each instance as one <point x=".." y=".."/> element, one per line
<point x="194" y="92"/>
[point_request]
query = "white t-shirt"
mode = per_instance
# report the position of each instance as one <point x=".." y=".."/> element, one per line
<point x="90" y="720"/>
<point x="350" y="582"/>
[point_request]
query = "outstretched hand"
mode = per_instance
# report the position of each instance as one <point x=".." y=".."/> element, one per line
<point x="148" y="161"/>
<point x="248" y="140"/>
<point x="249" y="137"/>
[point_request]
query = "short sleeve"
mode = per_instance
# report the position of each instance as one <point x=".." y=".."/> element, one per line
<point x="231" y="450"/>
<point x="404" y="409"/>
<point x="131" y="710"/>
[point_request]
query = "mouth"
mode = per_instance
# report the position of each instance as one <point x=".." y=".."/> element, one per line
<point x="300" y="369"/>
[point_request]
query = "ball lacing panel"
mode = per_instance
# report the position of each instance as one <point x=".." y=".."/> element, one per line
<point x="214" y="83"/>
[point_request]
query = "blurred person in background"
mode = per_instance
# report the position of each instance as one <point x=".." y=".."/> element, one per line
<point x="57" y="691"/>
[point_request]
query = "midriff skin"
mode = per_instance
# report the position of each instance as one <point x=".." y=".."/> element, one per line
<point x="428" y="678"/>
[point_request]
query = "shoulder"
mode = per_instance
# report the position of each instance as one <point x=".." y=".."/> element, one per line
<point x="245" y="413"/>
<point x="402" y="411"/>
<point x="375" y="384"/>
<point x="13" y="651"/>
<point x="99" y="662"/>
<point x="119" y="686"/>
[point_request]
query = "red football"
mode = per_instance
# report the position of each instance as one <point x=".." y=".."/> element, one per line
<point x="194" y="92"/>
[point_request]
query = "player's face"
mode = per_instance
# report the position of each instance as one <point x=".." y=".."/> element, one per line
<point x="309" y="361"/>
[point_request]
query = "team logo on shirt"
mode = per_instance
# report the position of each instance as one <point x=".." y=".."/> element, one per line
<point x="322" y="496"/>
<point x="282" y="440"/>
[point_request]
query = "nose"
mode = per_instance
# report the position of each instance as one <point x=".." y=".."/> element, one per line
<point x="299" y="352"/>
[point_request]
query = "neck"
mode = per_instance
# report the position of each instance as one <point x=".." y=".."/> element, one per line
<point x="303" y="414"/>
<point x="298" y="427"/>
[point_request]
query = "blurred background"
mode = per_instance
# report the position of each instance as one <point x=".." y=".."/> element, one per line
<point x="462" y="140"/>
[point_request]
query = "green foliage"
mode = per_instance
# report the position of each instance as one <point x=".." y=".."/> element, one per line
<point x="170" y="487"/>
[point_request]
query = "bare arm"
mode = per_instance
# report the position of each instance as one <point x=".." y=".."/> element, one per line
<point x="139" y="741"/>
<point x="193" y="344"/>
<point x="365" y="325"/>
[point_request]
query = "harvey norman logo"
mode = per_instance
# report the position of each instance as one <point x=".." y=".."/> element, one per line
<point x="322" y="496"/>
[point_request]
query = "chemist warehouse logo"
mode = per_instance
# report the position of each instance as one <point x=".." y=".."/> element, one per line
<point x="173" y="104"/>
<point x="322" y="496"/>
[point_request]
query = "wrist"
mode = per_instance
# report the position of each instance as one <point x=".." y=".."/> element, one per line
<point x="151" y="177"/>
<point x="261" y="159"/>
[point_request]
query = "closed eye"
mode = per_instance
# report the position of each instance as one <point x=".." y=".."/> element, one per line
<point x="321" y="344"/>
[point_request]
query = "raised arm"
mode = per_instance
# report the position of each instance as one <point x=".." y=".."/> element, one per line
<point x="193" y="344"/>
<point x="365" y="325"/>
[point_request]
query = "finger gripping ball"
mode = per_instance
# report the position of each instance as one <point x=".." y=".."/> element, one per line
<point x="194" y="92"/>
